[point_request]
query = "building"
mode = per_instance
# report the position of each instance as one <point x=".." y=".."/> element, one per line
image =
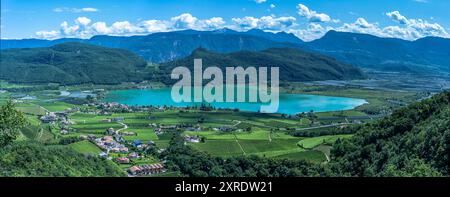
<point x="64" y="132"/>
<point x="110" y="131"/>
<point x="118" y="119"/>
<point x="146" y="169"/>
<point x="129" y="133"/>
<point x="122" y="160"/>
<point x="192" y="139"/>
<point x="133" y="155"/>
<point x="49" y="118"/>
<point x="136" y="143"/>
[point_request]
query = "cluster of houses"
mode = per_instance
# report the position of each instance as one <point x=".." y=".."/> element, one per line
<point x="161" y="129"/>
<point x="110" y="145"/>
<point x="147" y="169"/>
<point x="115" y="119"/>
<point x="58" y="117"/>
<point x="224" y="128"/>
<point x="49" y="117"/>
<point x="127" y="160"/>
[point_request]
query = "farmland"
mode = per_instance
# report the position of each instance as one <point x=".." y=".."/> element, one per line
<point x="220" y="133"/>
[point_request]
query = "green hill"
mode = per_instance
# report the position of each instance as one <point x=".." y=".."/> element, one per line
<point x="295" y="65"/>
<point x="24" y="159"/>
<point x="413" y="141"/>
<point x="70" y="63"/>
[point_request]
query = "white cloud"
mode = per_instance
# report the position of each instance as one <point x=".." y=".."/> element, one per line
<point x="75" y="10"/>
<point x="100" y="28"/>
<point x="396" y="16"/>
<point x="311" y="15"/>
<point x="83" y="28"/>
<point x="83" y="20"/>
<point x="272" y="6"/>
<point x="187" y="21"/>
<point x="264" y="23"/>
<point x="66" y="29"/>
<point x="155" y="26"/>
<point x="48" y="34"/>
<point x="421" y="1"/>
<point x="260" y="1"/>
<point x="312" y="32"/>
<point x="413" y="28"/>
<point x="361" y="26"/>
<point x="410" y="29"/>
<point x="89" y="9"/>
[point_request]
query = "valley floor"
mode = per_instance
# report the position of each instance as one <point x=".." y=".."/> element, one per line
<point x="133" y="136"/>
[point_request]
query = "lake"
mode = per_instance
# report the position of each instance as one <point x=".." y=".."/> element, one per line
<point x="289" y="103"/>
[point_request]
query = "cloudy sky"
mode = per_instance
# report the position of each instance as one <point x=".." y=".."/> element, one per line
<point x="307" y="19"/>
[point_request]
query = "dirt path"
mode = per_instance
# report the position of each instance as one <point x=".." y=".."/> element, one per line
<point x="124" y="126"/>
<point x="240" y="146"/>
<point x="323" y="126"/>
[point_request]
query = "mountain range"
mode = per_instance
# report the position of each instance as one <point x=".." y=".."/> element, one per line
<point x="429" y="55"/>
<point x="76" y="63"/>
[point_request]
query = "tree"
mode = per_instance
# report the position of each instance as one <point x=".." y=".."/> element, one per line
<point x="11" y="121"/>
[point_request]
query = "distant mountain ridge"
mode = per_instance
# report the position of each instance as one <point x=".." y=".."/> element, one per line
<point x="425" y="55"/>
<point x="430" y="54"/>
<point x="168" y="46"/>
<point x="294" y="64"/>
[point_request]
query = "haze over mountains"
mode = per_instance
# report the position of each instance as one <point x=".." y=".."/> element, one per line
<point x="430" y="55"/>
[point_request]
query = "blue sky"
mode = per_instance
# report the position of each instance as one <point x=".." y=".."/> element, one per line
<point x="308" y="19"/>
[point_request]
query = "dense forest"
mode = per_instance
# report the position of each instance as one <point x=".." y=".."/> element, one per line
<point x="34" y="159"/>
<point x="413" y="141"/>
<point x="71" y="63"/>
<point x="294" y="64"/>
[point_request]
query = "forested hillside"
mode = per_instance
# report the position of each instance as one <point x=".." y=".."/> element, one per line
<point x="413" y="141"/>
<point x="70" y="63"/>
<point x="294" y="64"/>
<point x="34" y="159"/>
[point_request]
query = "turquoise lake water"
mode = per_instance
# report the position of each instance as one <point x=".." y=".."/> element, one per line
<point x="289" y="103"/>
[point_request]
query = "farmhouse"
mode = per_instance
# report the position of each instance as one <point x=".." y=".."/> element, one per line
<point x="133" y="155"/>
<point x="192" y="139"/>
<point x="117" y="119"/>
<point x="64" y="132"/>
<point x="110" y="131"/>
<point x="129" y="133"/>
<point x="158" y="131"/>
<point x="123" y="160"/>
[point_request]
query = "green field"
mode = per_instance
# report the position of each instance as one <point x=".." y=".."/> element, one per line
<point x="55" y="106"/>
<point x="313" y="142"/>
<point x="312" y="155"/>
<point x="85" y="147"/>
